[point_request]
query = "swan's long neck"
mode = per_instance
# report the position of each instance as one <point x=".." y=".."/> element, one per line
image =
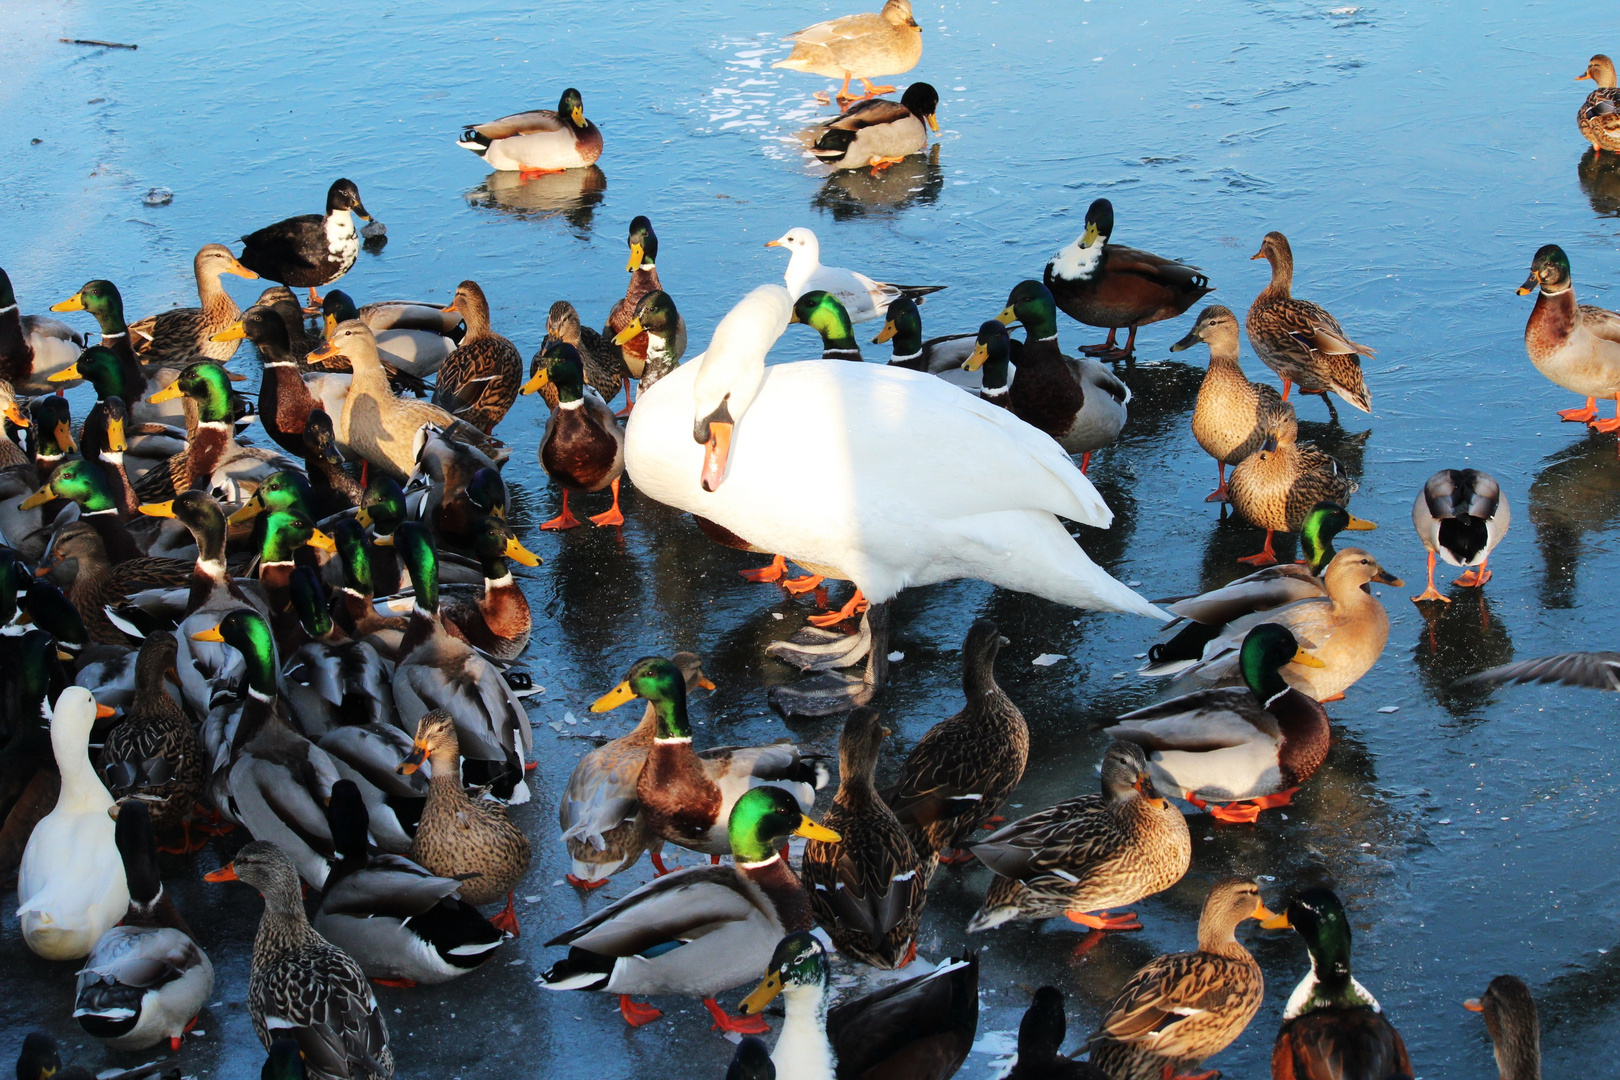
<point x="803" y="1052"/>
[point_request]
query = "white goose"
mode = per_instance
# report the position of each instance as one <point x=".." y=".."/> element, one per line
<point x="862" y="297"/>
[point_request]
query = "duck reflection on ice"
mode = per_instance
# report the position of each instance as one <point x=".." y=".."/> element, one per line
<point x="1600" y="180"/>
<point x="1576" y="494"/>
<point x="572" y="195"/>
<point x="1465" y="635"/>
<point x="850" y="194"/>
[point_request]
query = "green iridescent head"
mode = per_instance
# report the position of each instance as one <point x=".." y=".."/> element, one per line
<point x="991" y="353"/>
<point x="1266" y="651"/>
<point x="1325" y="521"/>
<point x="415" y="546"/>
<point x="1030" y="304"/>
<point x="206" y="383"/>
<point x="798" y="962"/>
<point x="383" y="508"/>
<point x="79" y="481"/>
<point x="285" y="1062"/>
<point x="564" y="370"/>
<point x="101" y="299"/>
<point x="246" y="631"/>
<point x="102" y="368"/>
<point x="355" y="553"/>
<point x="571" y="108"/>
<point x="762" y="820"/>
<point x="902" y="324"/>
<point x="659" y="681"/>
<point x="1319" y="917"/>
<point x="285" y="531"/>
<point x="825" y="314"/>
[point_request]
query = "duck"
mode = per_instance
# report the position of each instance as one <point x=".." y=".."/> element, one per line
<point x="867" y="890"/>
<point x="1253" y="745"/>
<point x="152" y="756"/>
<point x="700" y="930"/>
<point x="352" y="608"/>
<point x="959" y="773"/>
<point x="1347" y="626"/>
<point x="479" y="382"/>
<point x="32" y="347"/>
<point x="944" y="356"/>
<point x="822" y="312"/>
<point x="287" y="395"/>
<point x="864" y="47"/>
<point x="1180" y="1009"/>
<point x="286" y="534"/>
<point x="1593" y="670"/>
<point x="1460" y="515"/>
<point x="309" y="250"/>
<point x="752" y="1061"/>
<point x="176" y="337"/>
<point x="910" y="516"/>
<point x="102" y="300"/>
<point x="332" y="488"/>
<point x="605" y="367"/>
<point x="1233" y="417"/>
<point x="655" y="318"/>
<point x="1275" y="487"/>
<point x="1040" y="1043"/>
<point x="600" y="819"/>
<point x="411" y="338"/>
<point x="157" y="436"/>
<point x="97" y="582"/>
<point x="1111" y="285"/>
<point x="539" y="141"/>
<point x="495" y="618"/>
<point x="282" y="301"/>
<point x="50" y="432"/>
<point x="41" y="1060"/>
<point x="582" y="448"/>
<point x="1333" y="1029"/>
<point x="1088" y="853"/>
<point x="1299" y="340"/>
<point x="863" y="298"/>
<point x="454" y="487"/>
<point x="303" y="985"/>
<point x="213" y="456"/>
<point x="687" y="798"/>
<point x="70" y="886"/>
<point x="403" y="924"/>
<point x="1510" y="1016"/>
<point x="333" y="680"/>
<point x="469" y="839"/>
<point x="1574" y="345"/>
<point x="85" y="484"/>
<point x="1080" y="403"/>
<point x="145" y="979"/>
<point x="876" y="131"/>
<point x="1597" y="118"/>
<point x="918" y="1029"/>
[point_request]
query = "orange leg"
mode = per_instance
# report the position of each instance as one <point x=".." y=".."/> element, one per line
<point x="843" y="94"/>
<point x="955" y="857"/>
<point x="774" y="572"/>
<point x="658" y="865"/>
<point x="628" y="404"/>
<point x="1609" y="427"/>
<point x="636" y="1015"/>
<point x="398" y="984"/>
<point x="1248" y="811"/>
<point x="1430" y="593"/>
<point x="1221" y="493"/>
<point x="1105" y="921"/>
<point x="874" y="91"/>
<point x="714" y="860"/>
<point x="1085" y="462"/>
<point x="613" y="516"/>
<point x="564" y="520"/>
<point x="1264" y="557"/>
<point x="174" y="1040"/>
<point x="880" y="163"/>
<point x="800" y="585"/>
<point x="314" y="303"/>
<point x="1287" y="386"/>
<point x="530" y="174"/>
<point x="741" y="1025"/>
<point x="1473" y="579"/>
<point x="1332" y="697"/>
<point x="581" y="883"/>
<point x="911" y="954"/>
<point x="1580" y="416"/>
<point x="852" y="608"/>
<point x="1104" y="348"/>
<point x="506" y="922"/>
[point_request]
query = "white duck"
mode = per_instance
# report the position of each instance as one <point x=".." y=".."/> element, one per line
<point x="862" y="297"/>
<point x="71" y="882"/>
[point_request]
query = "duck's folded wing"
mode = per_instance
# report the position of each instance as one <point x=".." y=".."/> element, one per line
<point x="1261" y="591"/>
<point x="389" y="885"/>
<point x="1067" y="836"/>
<point x="869" y="113"/>
<point x="778" y="762"/>
<point x="1200" y="721"/>
<point x="1166" y="991"/>
<point x="840" y="29"/>
<point x="1597" y="670"/>
<point x="1601" y="321"/>
<point x="326" y="1005"/>
<point x="1129" y="260"/>
<point x="677" y="907"/>
<point x="874" y="895"/>
<point x="524" y="123"/>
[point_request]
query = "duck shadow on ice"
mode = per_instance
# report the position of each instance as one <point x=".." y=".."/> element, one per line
<point x="852" y="194"/>
<point x="1574" y="496"/>
<point x="572" y="195"/>
<point x="1600" y="179"/>
<point x="1465" y="635"/>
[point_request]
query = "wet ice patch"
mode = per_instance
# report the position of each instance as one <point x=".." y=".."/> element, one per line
<point x="1047" y="659"/>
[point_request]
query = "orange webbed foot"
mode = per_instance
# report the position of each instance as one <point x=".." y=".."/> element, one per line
<point x="853" y="607"/>
<point x="1473" y="579"/>
<point x="580" y="883"/>
<point x="1606" y="427"/>
<point x="800" y="585"/>
<point x="530" y="174"/>
<point x="741" y="1025"/>
<point x="1262" y="558"/>
<point x="1431" y="593"/>
<point x="564" y="520"/>
<point x="635" y="1015"/>
<point x="1332" y="697"/>
<point x="1105" y="921"/>
<point x="398" y="984"/>
<point x="506" y="922"/>
<point x="1583" y="415"/>
<point x="774" y="572"/>
<point x="614" y="516"/>
<point x="1236" y="813"/>
<point x="1220" y="494"/>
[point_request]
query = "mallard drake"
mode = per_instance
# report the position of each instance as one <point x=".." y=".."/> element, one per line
<point x="176" y="337"/>
<point x="664" y="330"/>
<point x="1599" y="115"/>
<point x="495" y="619"/>
<point x="49" y="432"/>
<point x="41" y="1060"/>
<point x="918" y="1029"/>
<point x="471" y="840"/>
<point x="402" y="924"/>
<point x="102" y="300"/>
<point x="438" y="671"/>
<point x="1254" y="744"/>
<point x="284" y="302"/>
<point x="867" y="889"/>
<point x="876" y="131"/>
<point x="1040" y="1043"/>
<point x="213" y="457"/>
<point x="1510" y="1017"/>
<point x="1089" y="853"/>
<point x="539" y="141"/>
<point x="864" y="47"/>
<point x="605" y="368"/>
<point x="944" y="356"/>
<point x="301" y="984"/>
<point x="287" y="396"/>
<point x="412" y="338"/>
<point x="1181" y="1009"/>
<point x="97" y="582"/>
<point x="660" y="319"/>
<point x="1347" y="628"/>
<point x="333" y="681"/>
<point x="582" y="448"/>
<point x="312" y="249"/>
<point x="822" y="312"/>
<point x="479" y="382"/>
<point x="455" y="486"/>
<point x="146" y="977"/>
<point x="1233" y="416"/>
<point x="70" y="885"/>
<point x="1460" y="515"/>
<point x="32" y="347"/>
<point x="862" y="297"/>
<point x="83" y="482"/>
<point x="150" y="431"/>
<point x="687" y="798"/>
<point x="700" y="930"/>
<point x="353" y="609"/>
<point x="1594" y="670"/>
<point x="1333" y="1029"/>
<point x="1080" y="403"/>
<point x="600" y="819"/>
<point x="1299" y="340"/>
<point x="1113" y="286"/>
<point x="152" y="756"/>
<point x="1275" y="487"/>
<point x="1575" y="345"/>
<point x="958" y="775"/>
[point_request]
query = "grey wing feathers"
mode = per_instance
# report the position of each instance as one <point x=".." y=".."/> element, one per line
<point x="524" y="123"/>
<point x="673" y="907"/>
<point x="1075" y="830"/>
<point x="1596" y="670"/>
<point x="1601" y="321"/>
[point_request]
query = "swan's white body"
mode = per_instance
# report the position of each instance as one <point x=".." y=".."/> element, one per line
<point x="863" y="298"/>
<point x="882" y="476"/>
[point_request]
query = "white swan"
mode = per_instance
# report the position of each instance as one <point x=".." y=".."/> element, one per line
<point x="862" y="297"/>
<point x="71" y="882"/>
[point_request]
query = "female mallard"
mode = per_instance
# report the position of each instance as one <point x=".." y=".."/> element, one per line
<point x="152" y="756"/>
<point x="600" y="819"/>
<point x="98" y="582"/>
<point x="864" y="47"/>
<point x="958" y="775"/>
<point x="1110" y="285"/>
<point x="1510" y="1017"/>
<point x="863" y="298"/>
<point x="1180" y="1009"/>
<point x="1461" y="515"/>
<point x="582" y="448"/>
<point x="1040" y="1043"/>
<point x="1089" y="853"/>
<point x="702" y="929"/>
<point x="918" y="1029"/>
<point x="687" y="797"/>
<point x="642" y="267"/>
<point x="302" y="984"/>
<point x="176" y="337"/>
<point x="312" y="249"/>
<point x="1275" y="487"/>
<point x="866" y="889"/>
<point x="1599" y="116"/>
<point x="539" y="141"/>
<point x="460" y="837"/>
<point x="1333" y="1029"/>
<point x="412" y="338"/>
<point x="605" y="369"/>
<point x="877" y="132"/>
<point x="32" y="347"/>
<point x="1253" y="744"/>
<point x="479" y="381"/>
<point x="146" y="978"/>
<point x="1575" y="345"/>
<point x="213" y="458"/>
<point x="1299" y="340"/>
<point x="1233" y="416"/>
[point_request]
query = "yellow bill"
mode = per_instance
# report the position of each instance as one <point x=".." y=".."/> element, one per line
<point x="235" y="332"/>
<point x="1276" y="922"/>
<point x="168" y="393"/>
<point x="540" y="379"/>
<point x="811" y="831"/>
<point x="614" y="698"/>
<point x="72" y="303"/>
<point x="1306" y="659"/>
<point x="981" y="354"/>
<point x="211" y="634"/>
<point x="637" y="253"/>
<point x="1360" y="525"/>
<point x="38" y="498"/>
<point x="67" y="374"/>
<point x="321" y="542"/>
<point x="520" y="554"/>
<point x="763" y="995"/>
<point x="629" y="333"/>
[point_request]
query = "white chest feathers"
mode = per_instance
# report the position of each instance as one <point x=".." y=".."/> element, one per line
<point x="1078" y="262"/>
<point x="342" y="242"/>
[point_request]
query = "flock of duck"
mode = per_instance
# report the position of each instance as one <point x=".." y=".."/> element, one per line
<point x="314" y="643"/>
